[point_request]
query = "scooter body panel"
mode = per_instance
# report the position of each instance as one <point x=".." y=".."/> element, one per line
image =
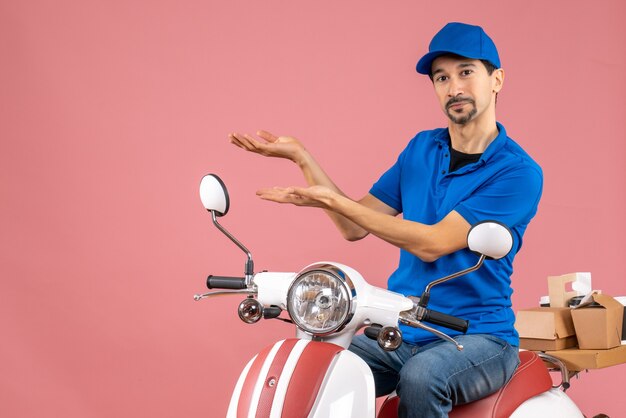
<point x="304" y="378"/>
<point x="551" y="404"/>
<point x="348" y="389"/>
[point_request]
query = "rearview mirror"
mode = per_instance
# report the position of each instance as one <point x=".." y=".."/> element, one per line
<point x="490" y="238"/>
<point x="214" y="195"/>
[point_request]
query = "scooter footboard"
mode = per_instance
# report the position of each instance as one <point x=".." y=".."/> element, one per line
<point x="301" y="378"/>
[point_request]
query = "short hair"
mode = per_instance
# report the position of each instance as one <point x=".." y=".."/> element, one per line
<point x="489" y="66"/>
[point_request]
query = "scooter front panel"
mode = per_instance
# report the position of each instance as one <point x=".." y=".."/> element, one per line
<point x="279" y="370"/>
<point x="234" y="399"/>
<point x="283" y="380"/>
<point x="252" y="386"/>
<point x="348" y="390"/>
<point x="264" y="375"/>
<point x="307" y="378"/>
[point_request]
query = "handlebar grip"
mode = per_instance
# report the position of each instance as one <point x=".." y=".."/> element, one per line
<point x="225" y="282"/>
<point x="372" y="331"/>
<point x="445" y="320"/>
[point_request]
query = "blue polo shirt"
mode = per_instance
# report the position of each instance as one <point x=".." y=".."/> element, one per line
<point x="504" y="185"/>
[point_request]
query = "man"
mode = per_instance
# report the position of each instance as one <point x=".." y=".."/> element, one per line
<point x="443" y="182"/>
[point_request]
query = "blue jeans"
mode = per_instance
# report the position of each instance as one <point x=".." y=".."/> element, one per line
<point x="431" y="378"/>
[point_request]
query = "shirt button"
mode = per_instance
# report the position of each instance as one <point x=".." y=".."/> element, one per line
<point x="440" y="146"/>
<point x="443" y="171"/>
<point x="446" y="155"/>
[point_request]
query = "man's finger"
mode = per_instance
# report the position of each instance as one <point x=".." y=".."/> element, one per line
<point x="233" y="140"/>
<point x="274" y="195"/>
<point x="275" y="190"/>
<point x="253" y="142"/>
<point x="269" y="137"/>
<point x="244" y="141"/>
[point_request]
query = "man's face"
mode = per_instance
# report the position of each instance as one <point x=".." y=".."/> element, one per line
<point x="464" y="87"/>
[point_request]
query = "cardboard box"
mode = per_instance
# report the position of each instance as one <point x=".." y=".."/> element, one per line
<point x="598" y="327"/>
<point x="543" y="329"/>
<point x="536" y="344"/>
<point x="577" y="360"/>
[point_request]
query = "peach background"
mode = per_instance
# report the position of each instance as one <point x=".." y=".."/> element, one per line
<point x="111" y="111"/>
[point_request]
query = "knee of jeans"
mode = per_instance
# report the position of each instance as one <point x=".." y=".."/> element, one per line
<point x="420" y="378"/>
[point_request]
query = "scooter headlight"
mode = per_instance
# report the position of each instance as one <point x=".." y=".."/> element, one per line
<point x="321" y="300"/>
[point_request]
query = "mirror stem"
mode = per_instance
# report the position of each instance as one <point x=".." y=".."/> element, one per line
<point x="455" y="275"/>
<point x="249" y="271"/>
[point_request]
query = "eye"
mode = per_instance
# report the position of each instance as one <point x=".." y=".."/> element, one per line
<point x="466" y="72"/>
<point x="441" y="78"/>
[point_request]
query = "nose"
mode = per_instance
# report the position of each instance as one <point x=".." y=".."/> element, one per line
<point x="455" y="87"/>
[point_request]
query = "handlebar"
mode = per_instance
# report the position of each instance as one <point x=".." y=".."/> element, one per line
<point x="225" y="282"/>
<point x="448" y="321"/>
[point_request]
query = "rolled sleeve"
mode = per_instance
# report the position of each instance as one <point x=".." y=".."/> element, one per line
<point x="511" y="198"/>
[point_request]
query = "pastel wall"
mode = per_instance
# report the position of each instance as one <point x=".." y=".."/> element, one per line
<point x="110" y="113"/>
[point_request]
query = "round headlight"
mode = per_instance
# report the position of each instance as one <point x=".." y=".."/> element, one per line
<point x="320" y="300"/>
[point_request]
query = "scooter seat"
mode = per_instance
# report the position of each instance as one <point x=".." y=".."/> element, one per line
<point x="530" y="379"/>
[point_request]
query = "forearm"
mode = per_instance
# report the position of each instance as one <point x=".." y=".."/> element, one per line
<point x="315" y="175"/>
<point x="427" y="242"/>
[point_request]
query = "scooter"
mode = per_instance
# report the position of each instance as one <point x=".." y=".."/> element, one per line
<point x="314" y="375"/>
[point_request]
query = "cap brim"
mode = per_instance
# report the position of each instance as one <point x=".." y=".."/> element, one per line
<point x="424" y="65"/>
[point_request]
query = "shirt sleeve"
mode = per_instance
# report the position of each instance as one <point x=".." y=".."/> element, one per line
<point x="387" y="188"/>
<point x="510" y="198"/>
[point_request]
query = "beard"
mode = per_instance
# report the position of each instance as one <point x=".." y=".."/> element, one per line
<point x="458" y="118"/>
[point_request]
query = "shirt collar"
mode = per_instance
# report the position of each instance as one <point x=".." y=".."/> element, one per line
<point x="492" y="149"/>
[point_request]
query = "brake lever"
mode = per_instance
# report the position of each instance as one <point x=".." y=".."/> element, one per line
<point x="407" y="319"/>
<point x="224" y="293"/>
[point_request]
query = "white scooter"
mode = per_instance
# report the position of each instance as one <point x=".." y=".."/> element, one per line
<point x="314" y="375"/>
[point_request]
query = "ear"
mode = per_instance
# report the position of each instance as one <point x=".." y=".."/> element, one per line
<point x="498" y="80"/>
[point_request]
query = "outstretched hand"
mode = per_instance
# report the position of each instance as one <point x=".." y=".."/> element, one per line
<point x="314" y="196"/>
<point x="273" y="146"/>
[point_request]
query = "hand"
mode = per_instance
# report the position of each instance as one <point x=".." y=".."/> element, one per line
<point x="314" y="196"/>
<point x="274" y="146"/>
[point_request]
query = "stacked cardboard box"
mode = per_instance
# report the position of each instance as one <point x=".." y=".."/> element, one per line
<point x="598" y="322"/>
<point x="542" y="329"/>
<point x="585" y="337"/>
